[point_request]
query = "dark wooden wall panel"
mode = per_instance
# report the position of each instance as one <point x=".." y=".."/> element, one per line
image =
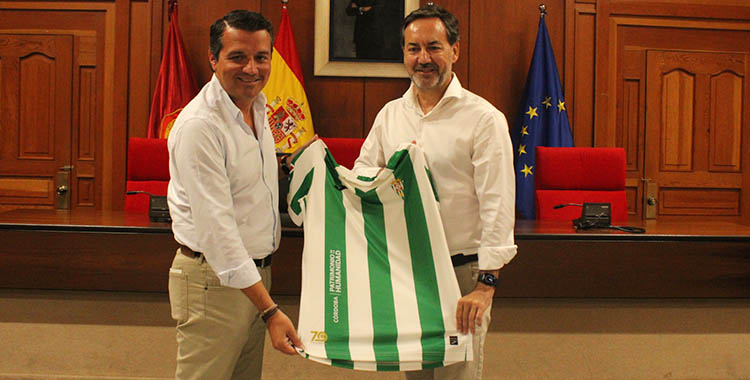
<point x="502" y="37"/>
<point x="579" y="52"/>
<point x="115" y="133"/>
<point x="140" y="88"/>
<point x="497" y="40"/>
<point x="337" y="105"/>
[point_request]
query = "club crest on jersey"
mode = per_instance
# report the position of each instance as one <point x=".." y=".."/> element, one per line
<point x="285" y="117"/>
<point x="398" y="186"/>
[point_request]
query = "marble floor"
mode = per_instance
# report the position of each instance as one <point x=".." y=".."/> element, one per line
<point x="109" y="335"/>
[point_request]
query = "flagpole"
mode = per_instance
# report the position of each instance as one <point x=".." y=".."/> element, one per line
<point x="542" y="10"/>
<point x="170" y="8"/>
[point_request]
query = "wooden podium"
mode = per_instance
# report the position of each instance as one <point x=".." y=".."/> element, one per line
<point x="117" y="251"/>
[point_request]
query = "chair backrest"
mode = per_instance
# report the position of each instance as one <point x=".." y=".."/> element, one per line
<point x="344" y="150"/>
<point x="578" y="175"/>
<point x="148" y="170"/>
<point x="148" y="159"/>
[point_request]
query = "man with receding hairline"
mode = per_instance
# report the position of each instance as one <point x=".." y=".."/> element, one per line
<point x="223" y="200"/>
<point x="467" y="146"/>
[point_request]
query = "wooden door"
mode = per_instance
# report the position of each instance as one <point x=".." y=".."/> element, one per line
<point x="694" y="130"/>
<point x="35" y="118"/>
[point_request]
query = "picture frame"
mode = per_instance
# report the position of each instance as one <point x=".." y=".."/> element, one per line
<point x="327" y="41"/>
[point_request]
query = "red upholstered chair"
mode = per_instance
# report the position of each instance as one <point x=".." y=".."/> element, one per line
<point x="344" y="150"/>
<point x="578" y="175"/>
<point x="148" y="170"/>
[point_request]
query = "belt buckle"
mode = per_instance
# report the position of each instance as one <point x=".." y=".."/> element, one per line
<point x="264" y="262"/>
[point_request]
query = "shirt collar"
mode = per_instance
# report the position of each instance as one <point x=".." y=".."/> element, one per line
<point x="454" y="90"/>
<point x="259" y="104"/>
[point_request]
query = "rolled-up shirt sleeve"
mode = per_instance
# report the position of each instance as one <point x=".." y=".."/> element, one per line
<point x="200" y="162"/>
<point x="494" y="181"/>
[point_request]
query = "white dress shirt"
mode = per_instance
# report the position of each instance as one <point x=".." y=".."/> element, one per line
<point x="223" y="191"/>
<point x="468" y="150"/>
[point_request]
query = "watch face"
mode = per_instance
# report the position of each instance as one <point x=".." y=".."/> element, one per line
<point x="488" y="278"/>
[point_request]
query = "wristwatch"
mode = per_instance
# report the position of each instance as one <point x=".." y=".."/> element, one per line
<point x="488" y="279"/>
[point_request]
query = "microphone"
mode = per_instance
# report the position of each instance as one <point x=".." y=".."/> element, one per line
<point x="140" y="192"/>
<point x="566" y="204"/>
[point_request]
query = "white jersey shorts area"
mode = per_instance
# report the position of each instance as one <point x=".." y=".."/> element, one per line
<point x="378" y="288"/>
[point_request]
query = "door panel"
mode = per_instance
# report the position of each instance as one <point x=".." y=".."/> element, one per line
<point x="694" y="130"/>
<point x="725" y="124"/>
<point x="35" y="117"/>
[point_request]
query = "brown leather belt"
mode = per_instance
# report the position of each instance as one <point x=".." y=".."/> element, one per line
<point x="461" y="259"/>
<point x="261" y="263"/>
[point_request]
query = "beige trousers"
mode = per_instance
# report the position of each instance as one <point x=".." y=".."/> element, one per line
<point x="219" y="331"/>
<point x="467" y="275"/>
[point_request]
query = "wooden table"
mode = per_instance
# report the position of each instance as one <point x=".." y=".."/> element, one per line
<point x="672" y="259"/>
<point x="84" y="250"/>
<point x="99" y="250"/>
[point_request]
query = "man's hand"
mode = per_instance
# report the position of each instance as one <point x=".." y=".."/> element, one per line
<point x="471" y="308"/>
<point x="281" y="329"/>
<point x="283" y="335"/>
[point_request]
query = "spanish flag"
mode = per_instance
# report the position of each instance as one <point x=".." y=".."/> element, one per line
<point x="176" y="84"/>
<point x="288" y="110"/>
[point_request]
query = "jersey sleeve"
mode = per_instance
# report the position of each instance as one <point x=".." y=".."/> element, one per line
<point x="301" y="178"/>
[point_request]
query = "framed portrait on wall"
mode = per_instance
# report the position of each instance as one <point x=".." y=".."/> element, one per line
<point x="360" y="38"/>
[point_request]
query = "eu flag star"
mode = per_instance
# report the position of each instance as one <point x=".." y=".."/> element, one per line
<point x="527" y="170"/>
<point x="522" y="150"/>
<point x="547" y="103"/>
<point x="531" y="112"/>
<point x="525" y="130"/>
<point x="560" y="106"/>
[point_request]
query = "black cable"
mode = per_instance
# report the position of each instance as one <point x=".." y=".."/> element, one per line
<point x="634" y="230"/>
<point x="590" y="225"/>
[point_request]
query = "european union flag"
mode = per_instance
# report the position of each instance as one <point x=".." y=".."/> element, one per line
<point x="543" y="120"/>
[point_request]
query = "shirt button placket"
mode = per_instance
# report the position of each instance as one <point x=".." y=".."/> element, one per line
<point x="420" y="130"/>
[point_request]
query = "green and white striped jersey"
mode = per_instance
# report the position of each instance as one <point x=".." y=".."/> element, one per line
<point x="378" y="288"/>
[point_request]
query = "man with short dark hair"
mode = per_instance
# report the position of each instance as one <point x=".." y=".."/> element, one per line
<point x="467" y="146"/>
<point x="223" y="197"/>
